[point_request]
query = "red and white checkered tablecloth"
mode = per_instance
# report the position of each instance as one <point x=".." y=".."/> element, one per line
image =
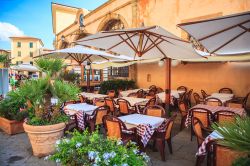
<point x="213" y="109"/>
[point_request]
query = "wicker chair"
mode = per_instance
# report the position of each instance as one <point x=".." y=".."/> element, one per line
<point x="100" y="102"/>
<point x="82" y="99"/>
<point x="160" y="136"/>
<point x="152" y="87"/>
<point x="212" y="101"/>
<point x="204" y="94"/>
<point x="151" y="92"/>
<point x="234" y="105"/>
<point x="111" y="104"/>
<point x="140" y="93"/>
<point x="111" y="93"/>
<point x="182" y="88"/>
<point x="197" y="98"/>
<point x="226" y="90"/>
<point x="154" y="110"/>
<point x="224" y="116"/>
<point x="205" y="116"/>
<point x="187" y="97"/>
<point x="159" y="90"/>
<point x="125" y="107"/>
<point x="96" y="117"/>
<point x="116" y="129"/>
<point x="224" y="156"/>
<point x="184" y="111"/>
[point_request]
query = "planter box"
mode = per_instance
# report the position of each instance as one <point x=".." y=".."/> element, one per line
<point x="11" y="126"/>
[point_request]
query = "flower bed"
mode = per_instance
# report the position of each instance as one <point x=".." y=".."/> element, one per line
<point x="94" y="149"/>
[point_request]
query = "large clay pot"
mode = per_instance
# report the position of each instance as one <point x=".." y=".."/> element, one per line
<point x="43" y="138"/>
<point x="11" y="126"/>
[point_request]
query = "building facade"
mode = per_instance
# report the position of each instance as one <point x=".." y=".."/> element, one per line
<point x="120" y="14"/>
<point x="24" y="48"/>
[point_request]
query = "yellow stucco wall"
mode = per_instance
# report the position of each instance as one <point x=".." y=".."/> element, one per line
<point x="25" y="49"/>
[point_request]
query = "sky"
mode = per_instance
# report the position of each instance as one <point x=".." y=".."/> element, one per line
<point x="33" y="18"/>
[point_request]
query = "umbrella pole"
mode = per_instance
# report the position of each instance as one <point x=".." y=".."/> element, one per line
<point x="82" y="73"/>
<point x="168" y="84"/>
<point x="88" y="80"/>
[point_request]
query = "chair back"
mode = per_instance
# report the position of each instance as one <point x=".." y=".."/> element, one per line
<point x="151" y="102"/>
<point x="111" y="93"/>
<point x="246" y="102"/>
<point x="224" y="117"/>
<point x="123" y="106"/>
<point x="133" y="94"/>
<point x="234" y="105"/>
<point x="100" y="102"/>
<point x="149" y="97"/>
<point x="99" y="113"/>
<point x="152" y="92"/>
<point x="112" y="127"/>
<point x="182" y="88"/>
<point x="140" y="93"/>
<point x="197" y="98"/>
<point x="154" y="110"/>
<point x="182" y="108"/>
<point x="204" y="94"/>
<point x="226" y="90"/>
<point x="82" y="99"/>
<point x="170" y="126"/>
<point x="212" y="101"/>
<point x="159" y="90"/>
<point x="152" y="87"/>
<point x="111" y="103"/>
<point x="224" y="156"/>
<point x="204" y="115"/>
<point x="197" y="128"/>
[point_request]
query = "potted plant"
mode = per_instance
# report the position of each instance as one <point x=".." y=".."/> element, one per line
<point x="236" y="137"/>
<point x="46" y="122"/>
<point x="93" y="149"/>
<point x="12" y="112"/>
<point x="4" y="61"/>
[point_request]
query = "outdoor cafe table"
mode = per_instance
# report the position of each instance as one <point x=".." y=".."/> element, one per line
<point x="145" y="125"/>
<point x="135" y="101"/>
<point x="81" y="110"/>
<point x="174" y="93"/>
<point x="224" y="97"/>
<point x="92" y="96"/>
<point x="213" y="109"/>
<point x="127" y="92"/>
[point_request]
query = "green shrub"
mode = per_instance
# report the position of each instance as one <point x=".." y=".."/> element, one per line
<point x="93" y="149"/>
<point x="242" y="161"/>
<point x="116" y="85"/>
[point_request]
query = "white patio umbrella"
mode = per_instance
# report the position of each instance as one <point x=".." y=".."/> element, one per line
<point x="84" y="54"/>
<point x="25" y="67"/>
<point x="143" y="43"/>
<point x="228" y="35"/>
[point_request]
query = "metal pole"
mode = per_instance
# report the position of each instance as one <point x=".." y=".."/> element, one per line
<point x="168" y="84"/>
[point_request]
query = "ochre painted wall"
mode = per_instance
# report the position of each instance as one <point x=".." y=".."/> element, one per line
<point x="207" y="76"/>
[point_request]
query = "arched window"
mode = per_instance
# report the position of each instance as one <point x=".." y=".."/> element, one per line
<point x="113" y="24"/>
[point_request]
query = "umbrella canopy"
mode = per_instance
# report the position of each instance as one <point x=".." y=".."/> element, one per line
<point x="142" y="43"/>
<point x="226" y="35"/>
<point x="25" y="67"/>
<point x="81" y="54"/>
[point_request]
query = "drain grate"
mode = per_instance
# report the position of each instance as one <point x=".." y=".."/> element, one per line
<point x="13" y="159"/>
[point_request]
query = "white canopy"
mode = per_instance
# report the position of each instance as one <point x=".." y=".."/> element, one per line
<point x="81" y="54"/>
<point x="25" y="67"/>
<point x="226" y="35"/>
<point x="142" y="43"/>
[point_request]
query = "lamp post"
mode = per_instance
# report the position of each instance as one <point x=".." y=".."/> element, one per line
<point x="87" y="67"/>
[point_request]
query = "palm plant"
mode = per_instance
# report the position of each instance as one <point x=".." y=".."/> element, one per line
<point x="236" y="135"/>
<point x="49" y="66"/>
<point x="5" y="60"/>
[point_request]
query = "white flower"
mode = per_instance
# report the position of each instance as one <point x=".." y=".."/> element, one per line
<point x="135" y="151"/>
<point x="66" y="140"/>
<point x="145" y="157"/>
<point x="78" y="145"/>
<point x="97" y="159"/>
<point x="125" y="164"/>
<point x="112" y="154"/>
<point x="58" y="142"/>
<point x="47" y="157"/>
<point x="58" y="160"/>
<point x="92" y="155"/>
<point x="119" y="142"/>
<point x="133" y="143"/>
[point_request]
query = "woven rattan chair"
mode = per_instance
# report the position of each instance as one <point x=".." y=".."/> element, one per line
<point x="198" y="99"/>
<point x="162" y="134"/>
<point x="125" y="107"/>
<point x="116" y="129"/>
<point x="204" y="94"/>
<point x="182" y="88"/>
<point x="100" y="102"/>
<point x="96" y="117"/>
<point x="234" y="105"/>
<point x="154" y="110"/>
<point x="224" y="156"/>
<point x="140" y="93"/>
<point x="187" y="98"/>
<point x="152" y="87"/>
<point x="159" y="90"/>
<point x="111" y="104"/>
<point x="111" y="93"/>
<point x="224" y="116"/>
<point x="151" y="102"/>
<point x="212" y="101"/>
<point x="82" y="99"/>
<point x="151" y="92"/>
<point x="226" y="90"/>
<point x="184" y="111"/>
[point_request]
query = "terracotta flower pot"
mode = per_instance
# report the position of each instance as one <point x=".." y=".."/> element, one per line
<point x="43" y="138"/>
<point x="11" y="126"/>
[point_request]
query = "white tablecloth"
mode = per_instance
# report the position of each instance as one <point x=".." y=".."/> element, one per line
<point x="127" y="92"/>
<point x="92" y="96"/>
<point x="73" y="108"/>
<point x="133" y="101"/>
<point x="174" y="93"/>
<point x="134" y="120"/>
<point x="224" y="97"/>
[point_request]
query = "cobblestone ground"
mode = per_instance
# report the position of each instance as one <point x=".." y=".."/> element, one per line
<point x="16" y="151"/>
